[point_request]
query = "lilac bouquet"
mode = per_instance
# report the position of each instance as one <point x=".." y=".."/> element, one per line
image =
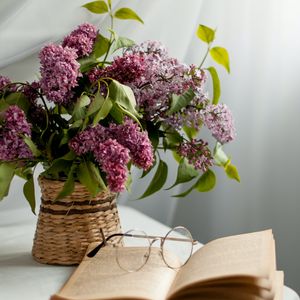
<point x="91" y="116"/>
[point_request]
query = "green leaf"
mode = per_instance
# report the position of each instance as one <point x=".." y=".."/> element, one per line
<point x="69" y="185"/>
<point x="117" y="113"/>
<point x="183" y="194"/>
<point x="97" y="176"/>
<point x="216" y="85"/>
<point x="104" y="111"/>
<point x="172" y="139"/>
<point x="190" y="132"/>
<point x="28" y="190"/>
<point x="69" y="156"/>
<point x="176" y="156"/>
<point x="86" y="177"/>
<point x="121" y="42"/>
<point x="79" y="108"/>
<point x="220" y="157"/>
<point x="87" y="63"/>
<point x="97" y="7"/>
<point x="101" y="46"/>
<point x="3" y="106"/>
<point x="126" y="13"/>
<point x="178" y="102"/>
<point x="145" y="173"/>
<point x="185" y="173"/>
<point x="232" y="172"/>
<point x="128" y="182"/>
<point x="95" y="105"/>
<point x="158" y="180"/>
<point x="7" y="171"/>
<point x="35" y="151"/>
<point x="221" y="56"/>
<point x="18" y="99"/>
<point x="58" y="168"/>
<point x="206" y="182"/>
<point x="205" y="34"/>
<point x="154" y="138"/>
<point x="123" y="95"/>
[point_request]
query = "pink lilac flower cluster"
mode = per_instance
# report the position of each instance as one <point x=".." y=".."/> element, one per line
<point x="125" y="69"/>
<point x="12" y="145"/>
<point x="113" y="147"/>
<point x="87" y="140"/>
<point x="4" y="81"/>
<point x="36" y="112"/>
<point x="219" y="120"/>
<point x="130" y="136"/>
<point x="59" y="71"/>
<point x="81" y="39"/>
<point x="113" y="159"/>
<point x="154" y="77"/>
<point x="165" y="76"/>
<point x="197" y="153"/>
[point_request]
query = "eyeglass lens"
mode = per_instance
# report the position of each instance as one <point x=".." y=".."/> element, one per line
<point x="178" y="242"/>
<point x="142" y="255"/>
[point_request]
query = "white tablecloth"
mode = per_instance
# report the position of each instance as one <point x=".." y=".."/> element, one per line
<point x="23" y="278"/>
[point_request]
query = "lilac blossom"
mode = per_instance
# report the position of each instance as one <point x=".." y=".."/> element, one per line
<point x="81" y="39"/>
<point x="87" y="140"/>
<point x="154" y="77"/>
<point x="15" y="121"/>
<point x="126" y="69"/>
<point x="130" y="136"/>
<point x="36" y="112"/>
<point x="31" y="91"/>
<point x="219" y="120"/>
<point x="59" y="70"/>
<point x="113" y="158"/>
<point x="4" y="81"/>
<point x="12" y="145"/>
<point x="197" y="153"/>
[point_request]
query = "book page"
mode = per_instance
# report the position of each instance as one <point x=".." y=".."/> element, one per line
<point x="245" y="255"/>
<point x="101" y="277"/>
<point x="279" y="282"/>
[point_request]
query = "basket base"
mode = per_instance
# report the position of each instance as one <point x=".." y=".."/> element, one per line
<point x="66" y="227"/>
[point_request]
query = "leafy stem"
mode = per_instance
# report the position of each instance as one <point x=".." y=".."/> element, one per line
<point x="205" y="56"/>
<point x="111" y="36"/>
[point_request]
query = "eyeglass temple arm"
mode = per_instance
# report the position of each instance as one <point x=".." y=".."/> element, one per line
<point x="165" y="238"/>
<point x="93" y="252"/>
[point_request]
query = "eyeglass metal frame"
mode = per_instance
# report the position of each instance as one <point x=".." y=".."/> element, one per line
<point x="152" y="239"/>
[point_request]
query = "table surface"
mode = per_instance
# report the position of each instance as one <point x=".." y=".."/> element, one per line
<point x="23" y="278"/>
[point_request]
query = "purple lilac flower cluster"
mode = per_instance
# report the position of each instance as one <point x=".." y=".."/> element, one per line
<point x="81" y="39"/>
<point x="4" y="81"/>
<point x="130" y="136"/>
<point x="36" y="112"/>
<point x="197" y="153"/>
<point x="87" y="140"/>
<point x="59" y="67"/>
<point x="113" y="147"/>
<point x="113" y="159"/>
<point x="154" y="77"/>
<point x="219" y="120"/>
<point x="125" y="69"/>
<point x="12" y="145"/>
<point x="59" y="70"/>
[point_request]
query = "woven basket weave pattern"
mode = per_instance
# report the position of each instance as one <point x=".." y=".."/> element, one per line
<point x="66" y="227"/>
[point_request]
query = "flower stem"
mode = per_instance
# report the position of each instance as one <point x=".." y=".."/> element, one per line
<point x="205" y="56"/>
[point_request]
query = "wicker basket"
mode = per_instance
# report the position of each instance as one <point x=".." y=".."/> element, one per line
<point x="66" y="227"/>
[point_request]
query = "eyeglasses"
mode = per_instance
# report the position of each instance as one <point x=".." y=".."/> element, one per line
<point x="178" y="241"/>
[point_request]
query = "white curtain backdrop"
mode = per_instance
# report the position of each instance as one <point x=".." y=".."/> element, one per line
<point x="262" y="90"/>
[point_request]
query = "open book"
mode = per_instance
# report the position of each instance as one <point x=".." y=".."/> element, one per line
<point x="236" y="267"/>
